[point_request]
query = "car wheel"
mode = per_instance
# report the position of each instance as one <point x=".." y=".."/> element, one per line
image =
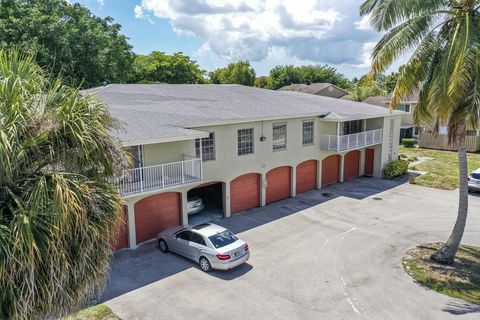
<point x="163" y="246"/>
<point x="205" y="264"/>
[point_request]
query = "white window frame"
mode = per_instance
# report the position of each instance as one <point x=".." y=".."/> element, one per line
<point x="241" y="144"/>
<point x="303" y="132"/>
<point x="403" y="106"/>
<point x="206" y="153"/>
<point x="279" y="146"/>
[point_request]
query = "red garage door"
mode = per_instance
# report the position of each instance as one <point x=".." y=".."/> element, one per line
<point x="245" y="192"/>
<point x="278" y="184"/>
<point x="155" y="213"/>
<point x="330" y="170"/>
<point x="122" y="236"/>
<point x="351" y="165"/>
<point x="306" y="176"/>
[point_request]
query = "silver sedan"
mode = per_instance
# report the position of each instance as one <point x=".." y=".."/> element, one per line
<point x="211" y="246"/>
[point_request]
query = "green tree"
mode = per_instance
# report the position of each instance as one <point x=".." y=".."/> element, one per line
<point x="445" y="39"/>
<point x="263" y="82"/>
<point x="363" y="89"/>
<point x="237" y="73"/>
<point x="58" y="210"/>
<point x="161" y="67"/>
<point x="286" y="75"/>
<point x="68" y="39"/>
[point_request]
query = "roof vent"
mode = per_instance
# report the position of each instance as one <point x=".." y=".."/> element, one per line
<point x="104" y="83"/>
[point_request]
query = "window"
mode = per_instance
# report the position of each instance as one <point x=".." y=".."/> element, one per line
<point x="245" y="141"/>
<point x="223" y="239"/>
<point x="403" y="107"/>
<point x="472" y="133"/>
<point x="307" y="137"/>
<point x="198" y="239"/>
<point x="184" y="235"/>
<point x="351" y="127"/>
<point x="208" y="147"/>
<point x="279" y="136"/>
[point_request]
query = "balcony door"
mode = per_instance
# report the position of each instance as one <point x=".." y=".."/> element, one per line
<point x="351" y="127"/>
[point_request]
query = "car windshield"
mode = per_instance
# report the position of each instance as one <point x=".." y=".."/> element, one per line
<point x="476" y="176"/>
<point x="223" y="239"/>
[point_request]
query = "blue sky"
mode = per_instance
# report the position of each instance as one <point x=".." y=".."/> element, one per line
<point x="266" y="32"/>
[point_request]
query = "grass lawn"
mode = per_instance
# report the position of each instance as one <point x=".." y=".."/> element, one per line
<point x="98" y="312"/>
<point x="460" y="280"/>
<point x="442" y="170"/>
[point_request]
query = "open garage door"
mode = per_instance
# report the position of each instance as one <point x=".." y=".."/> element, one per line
<point x="205" y="203"/>
<point x="330" y="170"/>
<point x="245" y="192"/>
<point x="122" y="236"/>
<point x="278" y="184"/>
<point x="306" y="176"/>
<point x="155" y="213"/>
<point x="351" y="168"/>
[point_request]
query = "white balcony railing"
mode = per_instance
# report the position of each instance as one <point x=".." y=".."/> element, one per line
<point x="160" y="176"/>
<point x="351" y="141"/>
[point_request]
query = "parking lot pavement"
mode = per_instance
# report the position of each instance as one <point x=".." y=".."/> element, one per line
<point x="333" y="253"/>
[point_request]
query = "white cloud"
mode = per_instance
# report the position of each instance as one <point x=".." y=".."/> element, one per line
<point x="140" y="14"/>
<point x="317" y="31"/>
<point x="363" y="24"/>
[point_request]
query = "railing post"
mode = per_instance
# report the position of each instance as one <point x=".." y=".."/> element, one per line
<point x="357" y="139"/>
<point x="163" y="176"/>
<point x="338" y="143"/>
<point x="183" y="173"/>
<point x="141" y="178"/>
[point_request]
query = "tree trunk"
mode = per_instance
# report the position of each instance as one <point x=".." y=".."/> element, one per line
<point x="446" y="254"/>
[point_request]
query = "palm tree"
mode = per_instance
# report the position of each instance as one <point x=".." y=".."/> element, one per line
<point x="443" y="37"/>
<point x="58" y="211"/>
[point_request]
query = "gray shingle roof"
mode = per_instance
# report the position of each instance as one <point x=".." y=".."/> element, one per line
<point x="384" y="100"/>
<point x="312" y="88"/>
<point x="153" y="112"/>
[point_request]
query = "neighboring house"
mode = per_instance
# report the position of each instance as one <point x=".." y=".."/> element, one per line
<point x="320" y="89"/>
<point x="408" y="128"/>
<point x="426" y="137"/>
<point x="237" y="148"/>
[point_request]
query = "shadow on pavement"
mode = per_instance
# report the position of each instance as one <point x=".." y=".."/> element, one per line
<point x="459" y="308"/>
<point x="133" y="269"/>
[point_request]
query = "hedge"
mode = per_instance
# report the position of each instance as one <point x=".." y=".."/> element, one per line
<point x="395" y="168"/>
<point x="409" y="142"/>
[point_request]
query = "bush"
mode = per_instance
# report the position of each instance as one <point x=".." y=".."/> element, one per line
<point x="395" y="168"/>
<point x="409" y="142"/>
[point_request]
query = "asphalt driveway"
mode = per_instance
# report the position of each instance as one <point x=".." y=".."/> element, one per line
<point x="334" y="253"/>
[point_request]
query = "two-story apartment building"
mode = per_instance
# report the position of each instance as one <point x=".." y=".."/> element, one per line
<point x="237" y="148"/>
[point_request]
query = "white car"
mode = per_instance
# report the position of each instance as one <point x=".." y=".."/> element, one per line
<point x="474" y="180"/>
<point x="209" y="245"/>
<point x="195" y="205"/>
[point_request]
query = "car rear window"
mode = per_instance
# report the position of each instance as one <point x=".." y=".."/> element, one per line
<point x="223" y="239"/>
<point x="476" y="175"/>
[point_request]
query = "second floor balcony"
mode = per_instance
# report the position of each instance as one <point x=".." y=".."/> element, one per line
<point x="156" y="177"/>
<point x="341" y="143"/>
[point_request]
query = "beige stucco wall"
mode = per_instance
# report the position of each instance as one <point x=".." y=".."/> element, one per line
<point x="159" y="153"/>
<point x="229" y="165"/>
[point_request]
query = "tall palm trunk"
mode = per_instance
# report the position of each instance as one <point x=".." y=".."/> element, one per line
<point x="446" y="253"/>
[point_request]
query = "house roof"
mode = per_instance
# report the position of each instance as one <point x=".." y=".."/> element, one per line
<point x="313" y="88"/>
<point x="384" y="100"/>
<point x="152" y="113"/>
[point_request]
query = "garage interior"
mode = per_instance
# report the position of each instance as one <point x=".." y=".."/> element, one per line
<point x="212" y="198"/>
